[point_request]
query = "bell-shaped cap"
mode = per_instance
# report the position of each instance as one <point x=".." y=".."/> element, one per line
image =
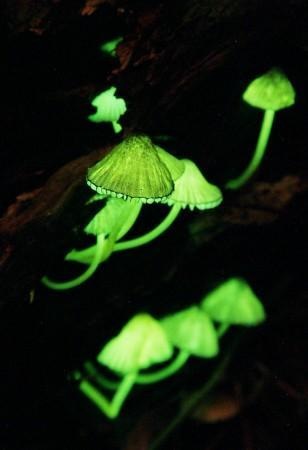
<point x="192" y="190"/>
<point x="233" y="302"/>
<point x="193" y="331"/>
<point x="109" y="108"/>
<point x="133" y="169"/>
<point x="114" y="217"/>
<point x="272" y="91"/>
<point x="141" y="343"/>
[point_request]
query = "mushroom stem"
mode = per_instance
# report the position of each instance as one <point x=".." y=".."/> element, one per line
<point x="103" y="249"/>
<point x="99" y="378"/>
<point x="153" y="234"/>
<point x="110" y="408"/>
<point x="259" y="152"/>
<point x="146" y="378"/>
<point x="166" y="372"/>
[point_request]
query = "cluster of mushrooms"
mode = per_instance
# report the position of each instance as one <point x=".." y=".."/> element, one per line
<point x="170" y="341"/>
<point x="135" y="173"/>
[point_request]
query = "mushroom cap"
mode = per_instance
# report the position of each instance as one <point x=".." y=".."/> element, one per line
<point x="175" y="166"/>
<point x="193" y="331"/>
<point x="193" y="190"/>
<point x="113" y="217"/>
<point x="109" y="108"/>
<point x="132" y="169"/>
<point x="109" y="47"/>
<point x="141" y="343"/>
<point x="233" y="302"/>
<point x="272" y="91"/>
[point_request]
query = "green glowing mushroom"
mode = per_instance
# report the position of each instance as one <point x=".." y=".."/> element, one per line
<point x="111" y="223"/>
<point x="133" y="169"/>
<point x="109" y="47"/>
<point x="191" y="190"/>
<point x="141" y="343"/>
<point x="270" y="92"/>
<point x="109" y="108"/>
<point x="233" y="303"/>
<point x="192" y="331"/>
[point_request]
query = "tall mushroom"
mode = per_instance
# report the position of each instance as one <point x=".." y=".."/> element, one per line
<point x="270" y="92"/>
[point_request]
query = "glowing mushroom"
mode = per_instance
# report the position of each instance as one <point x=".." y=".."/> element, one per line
<point x="270" y="92"/>
<point x="133" y="169"/>
<point x="233" y="303"/>
<point x="192" y="331"/>
<point x="141" y="343"/>
<point x="191" y="190"/>
<point x="109" y="47"/>
<point x="109" y="108"/>
<point x="112" y="222"/>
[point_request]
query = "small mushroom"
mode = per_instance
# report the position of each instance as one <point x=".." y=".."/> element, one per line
<point x="109" y="47"/>
<point x="191" y="190"/>
<point x="270" y="92"/>
<point x="192" y="331"/>
<point x="141" y="343"/>
<point x="109" y="108"/>
<point x="111" y="223"/>
<point x="233" y="303"/>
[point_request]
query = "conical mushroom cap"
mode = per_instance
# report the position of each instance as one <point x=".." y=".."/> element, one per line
<point x="141" y="343"/>
<point x="132" y="169"/>
<point x="113" y="217"/>
<point x="193" y="190"/>
<point x="193" y="331"/>
<point x="272" y="91"/>
<point x="233" y="302"/>
<point x="109" y="108"/>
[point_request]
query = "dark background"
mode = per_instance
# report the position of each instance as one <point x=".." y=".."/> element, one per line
<point x="182" y="68"/>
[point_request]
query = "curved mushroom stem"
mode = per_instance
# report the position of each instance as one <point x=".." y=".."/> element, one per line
<point x="166" y="372"/>
<point x="153" y="234"/>
<point x="110" y="408"/>
<point x="259" y="152"/>
<point x="103" y="249"/>
<point x="85" y="256"/>
<point x="146" y="378"/>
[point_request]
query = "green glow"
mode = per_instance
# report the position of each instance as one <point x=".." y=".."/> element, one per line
<point x="192" y="330"/>
<point x="102" y="249"/>
<point x="151" y="235"/>
<point x="109" y="108"/>
<point x="116" y="217"/>
<point x="259" y="152"/>
<point x="110" y="408"/>
<point x="142" y="378"/>
<point x="166" y="372"/>
<point x="109" y="47"/>
<point x="133" y="169"/>
<point x="141" y="343"/>
<point x="112" y="222"/>
<point x="234" y="303"/>
<point x="192" y="190"/>
<point x="270" y="92"/>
